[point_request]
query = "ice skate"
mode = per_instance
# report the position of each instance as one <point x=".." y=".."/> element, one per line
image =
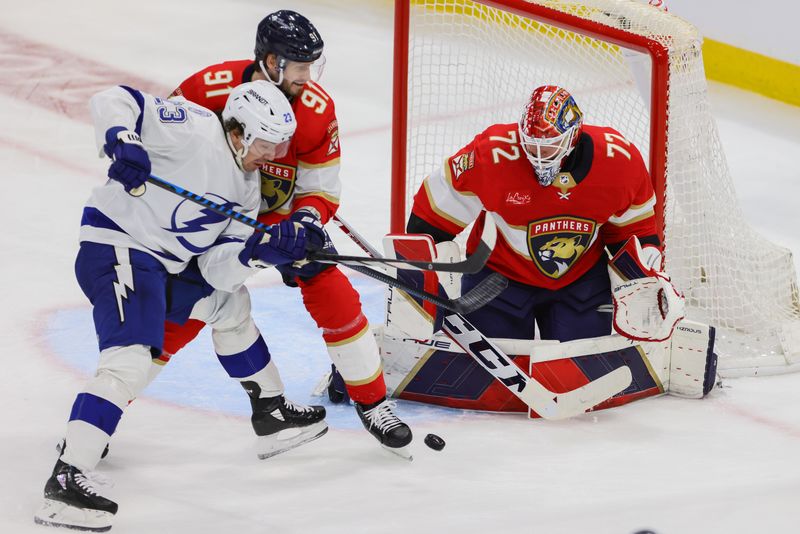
<point x="71" y="501"/>
<point x="281" y="424"/>
<point x="380" y="421"/>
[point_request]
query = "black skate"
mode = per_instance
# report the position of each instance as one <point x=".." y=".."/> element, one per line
<point x="71" y="501"/>
<point x="281" y="424"/>
<point x="380" y="421"/>
<point x="337" y="392"/>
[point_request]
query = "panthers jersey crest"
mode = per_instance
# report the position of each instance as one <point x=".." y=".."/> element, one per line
<point x="556" y="243"/>
<point x="277" y="185"/>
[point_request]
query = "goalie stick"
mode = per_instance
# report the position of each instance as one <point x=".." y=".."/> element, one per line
<point x="548" y="404"/>
<point x="472" y="264"/>
<point x="471" y="301"/>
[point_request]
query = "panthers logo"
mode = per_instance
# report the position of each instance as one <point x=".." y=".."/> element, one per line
<point x="277" y="186"/>
<point x="556" y="244"/>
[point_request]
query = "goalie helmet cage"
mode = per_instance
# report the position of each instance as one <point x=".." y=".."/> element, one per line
<point x="461" y="65"/>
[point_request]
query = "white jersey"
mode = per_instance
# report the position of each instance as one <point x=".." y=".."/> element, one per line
<point x="187" y="147"/>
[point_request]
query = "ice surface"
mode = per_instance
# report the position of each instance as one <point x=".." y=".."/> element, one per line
<point x="183" y="460"/>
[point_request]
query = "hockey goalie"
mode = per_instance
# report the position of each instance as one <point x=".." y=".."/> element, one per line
<point x="577" y="240"/>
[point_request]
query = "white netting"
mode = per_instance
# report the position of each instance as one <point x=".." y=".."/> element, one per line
<point x="471" y="66"/>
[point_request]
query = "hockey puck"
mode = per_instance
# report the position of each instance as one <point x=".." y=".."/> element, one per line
<point x="434" y="442"/>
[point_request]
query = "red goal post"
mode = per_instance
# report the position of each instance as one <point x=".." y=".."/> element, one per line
<point x="461" y="65"/>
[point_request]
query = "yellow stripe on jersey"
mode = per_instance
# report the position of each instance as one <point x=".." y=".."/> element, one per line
<point x="635" y="213"/>
<point x="438" y="211"/>
<point x="330" y="198"/>
<point x="628" y="222"/>
<point x="305" y="165"/>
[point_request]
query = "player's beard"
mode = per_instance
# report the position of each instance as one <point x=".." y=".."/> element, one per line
<point x="291" y="89"/>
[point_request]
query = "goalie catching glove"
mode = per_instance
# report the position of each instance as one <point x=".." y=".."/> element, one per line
<point x="646" y="304"/>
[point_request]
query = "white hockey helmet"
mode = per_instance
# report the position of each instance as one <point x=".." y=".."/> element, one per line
<point x="263" y="112"/>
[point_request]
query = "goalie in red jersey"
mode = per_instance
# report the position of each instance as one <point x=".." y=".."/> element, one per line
<point x="560" y="192"/>
<point x="303" y="185"/>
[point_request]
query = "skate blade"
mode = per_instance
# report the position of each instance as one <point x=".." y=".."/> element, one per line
<point x="269" y="446"/>
<point x="402" y="452"/>
<point x="58" y="514"/>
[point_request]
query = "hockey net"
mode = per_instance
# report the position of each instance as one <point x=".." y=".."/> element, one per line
<point x="630" y="66"/>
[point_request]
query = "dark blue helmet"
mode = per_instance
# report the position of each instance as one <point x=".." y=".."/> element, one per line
<point x="289" y="35"/>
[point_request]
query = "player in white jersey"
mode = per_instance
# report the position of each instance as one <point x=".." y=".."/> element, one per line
<point x="136" y="240"/>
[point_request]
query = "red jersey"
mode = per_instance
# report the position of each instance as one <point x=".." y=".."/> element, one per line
<point x="308" y="176"/>
<point x="547" y="236"/>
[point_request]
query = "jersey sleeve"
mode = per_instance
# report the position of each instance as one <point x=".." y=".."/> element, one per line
<point x="116" y="106"/>
<point x="446" y="199"/>
<point x="318" y="185"/>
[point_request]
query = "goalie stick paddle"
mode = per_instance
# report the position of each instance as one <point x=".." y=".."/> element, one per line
<point x="474" y="299"/>
<point x="546" y="403"/>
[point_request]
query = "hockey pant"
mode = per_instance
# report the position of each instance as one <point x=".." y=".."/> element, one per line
<point x="238" y="343"/>
<point x="335" y="307"/>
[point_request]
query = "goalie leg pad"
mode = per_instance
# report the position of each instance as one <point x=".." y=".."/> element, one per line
<point x="693" y="363"/>
<point x="410" y="315"/>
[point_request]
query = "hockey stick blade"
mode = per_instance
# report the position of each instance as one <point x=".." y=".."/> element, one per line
<point x="548" y="404"/>
<point x="472" y="264"/>
<point x="486" y="290"/>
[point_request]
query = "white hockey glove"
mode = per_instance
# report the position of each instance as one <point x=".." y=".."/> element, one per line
<point x="646" y="304"/>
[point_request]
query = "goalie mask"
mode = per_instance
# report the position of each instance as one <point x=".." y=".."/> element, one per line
<point x="265" y="117"/>
<point x="549" y="130"/>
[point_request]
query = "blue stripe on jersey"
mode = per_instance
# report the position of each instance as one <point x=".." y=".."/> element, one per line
<point x="225" y="239"/>
<point x="95" y="217"/>
<point x="96" y="411"/>
<point x="140" y="101"/>
<point x="166" y="255"/>
<point x="247" y="362"/>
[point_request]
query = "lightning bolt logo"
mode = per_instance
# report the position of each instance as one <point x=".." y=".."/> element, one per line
<point x="123" y="283"/>
<point x="198" y="224"/>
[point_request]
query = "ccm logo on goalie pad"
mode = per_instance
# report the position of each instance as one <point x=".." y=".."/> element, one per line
<point x="473" y="342"/>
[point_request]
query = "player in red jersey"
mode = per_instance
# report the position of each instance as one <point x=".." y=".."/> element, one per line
<point x="304" y="186"/>
<point x="560" y="193"/>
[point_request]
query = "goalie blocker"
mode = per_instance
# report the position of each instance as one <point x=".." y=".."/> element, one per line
<point x="433" y="369"/>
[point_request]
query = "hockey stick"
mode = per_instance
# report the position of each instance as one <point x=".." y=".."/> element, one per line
<point x="546" y="403"/>
<point x="471" y="301"/>
<point x="472" y="264"/>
